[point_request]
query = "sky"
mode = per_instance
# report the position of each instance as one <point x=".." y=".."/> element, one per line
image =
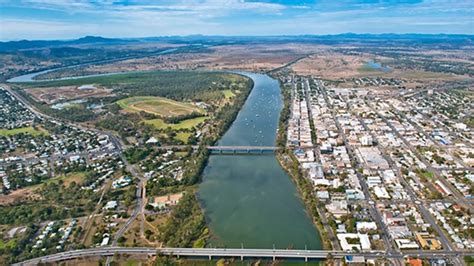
<point x="69" y="19"/>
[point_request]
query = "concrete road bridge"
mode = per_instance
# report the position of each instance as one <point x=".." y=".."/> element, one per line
<point x="242" y="149"/>
<point x="236" y="148"/>
<point x="210" y="253"/>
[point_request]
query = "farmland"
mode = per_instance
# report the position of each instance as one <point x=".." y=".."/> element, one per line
<point x="158" y="106"/>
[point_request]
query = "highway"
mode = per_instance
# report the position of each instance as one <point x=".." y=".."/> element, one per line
<point x="272" y="254"/>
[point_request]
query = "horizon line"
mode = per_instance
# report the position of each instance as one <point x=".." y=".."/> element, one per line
<point x="245" y="36"/>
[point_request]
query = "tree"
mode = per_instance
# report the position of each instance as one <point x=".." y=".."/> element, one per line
<point x="122" y="240"/>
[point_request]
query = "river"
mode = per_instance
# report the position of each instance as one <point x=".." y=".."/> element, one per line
<point x="30" y="77"/>
<point x="249" y="199"/>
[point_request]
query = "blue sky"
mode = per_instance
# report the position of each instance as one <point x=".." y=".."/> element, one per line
<point x="67" y="19"/>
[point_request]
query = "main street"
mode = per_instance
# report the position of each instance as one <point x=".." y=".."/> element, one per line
<point x="321" y="212"/>
<point x="419" y="203"/>
<point x="459" y="198"/>
<point x="456" y="193"/>
<point x="413" y="198"/>
<point x="374" y="213"/>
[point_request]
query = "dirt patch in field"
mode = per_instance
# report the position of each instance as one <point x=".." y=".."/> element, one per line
<point x="330" y="65"/>
<point x="19" y="195"/>
<point x="251" y="57"/>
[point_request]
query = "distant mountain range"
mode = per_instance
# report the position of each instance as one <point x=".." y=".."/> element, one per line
<point x="203" y="39"/>
<point x="26" y="44"/>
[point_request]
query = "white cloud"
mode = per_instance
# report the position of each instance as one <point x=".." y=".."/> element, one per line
<point x="217" y="7"/>
<point x="15" y="29"/>
<point x="184" y="17"/>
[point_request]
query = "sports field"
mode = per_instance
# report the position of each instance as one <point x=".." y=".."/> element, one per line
<point x="158" y="106"/>
<point x="185" y="124"/>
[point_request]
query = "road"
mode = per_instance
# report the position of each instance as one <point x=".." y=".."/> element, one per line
<point x="462" y="200"/>
<point x="375" y="214"/>
<point x="242" y="253"/>
<point x="413" y="198"/>
<point x="458" y="196"/>
<point x="54" y="157"/>
<point x="118" y="149"/>
<point x="236" y="253"/>
<point x="321" y="211"/>
<point x="420" y="205"/>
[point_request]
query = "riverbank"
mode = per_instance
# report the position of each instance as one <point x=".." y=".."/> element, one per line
<point x="198" y="235"/>
<point x="249" y="200"/>
<point x="305" y="189"/>
<point x="226" y="117"/>
<point x="289" y="163"/>
<point x="195" y="230"/>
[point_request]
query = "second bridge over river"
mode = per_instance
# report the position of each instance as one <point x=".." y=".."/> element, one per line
<point x="242" y="149"/>
<point x="227" y="149"/>
<point x="235" y="149"/>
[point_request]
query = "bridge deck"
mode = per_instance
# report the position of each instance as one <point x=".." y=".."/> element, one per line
<point x="242" y="148"/>
<point x="237" y="253"/>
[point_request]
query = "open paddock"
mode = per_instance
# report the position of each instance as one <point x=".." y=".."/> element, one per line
<point x="50" y="95"/>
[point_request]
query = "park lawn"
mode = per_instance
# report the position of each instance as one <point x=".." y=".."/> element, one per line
<point x="428" y="175"/>
<point x="25" y="130"/>
<point x="183" y="136"/>
<point x="185" y="124"/>
<point x="181" y="154"/>
<point x="77" y="177"/>
<point x="158" y="106"/>
<point x="67" y="179"/>
<point x="133" y="262"/>
<point x="10" y="244"/>
<point x="228" y="94"/>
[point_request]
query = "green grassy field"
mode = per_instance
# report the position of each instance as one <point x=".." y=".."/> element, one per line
<point x="428" y="175"/>
<point x="185" y="124"/>
<point x="24" y="130"/>
<point x="183" y="136"/>
<point x="228" y="94"/>
<point x="10" y="244"/>
<point x="158" y="106"/>
<point x="67" y="179"/>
